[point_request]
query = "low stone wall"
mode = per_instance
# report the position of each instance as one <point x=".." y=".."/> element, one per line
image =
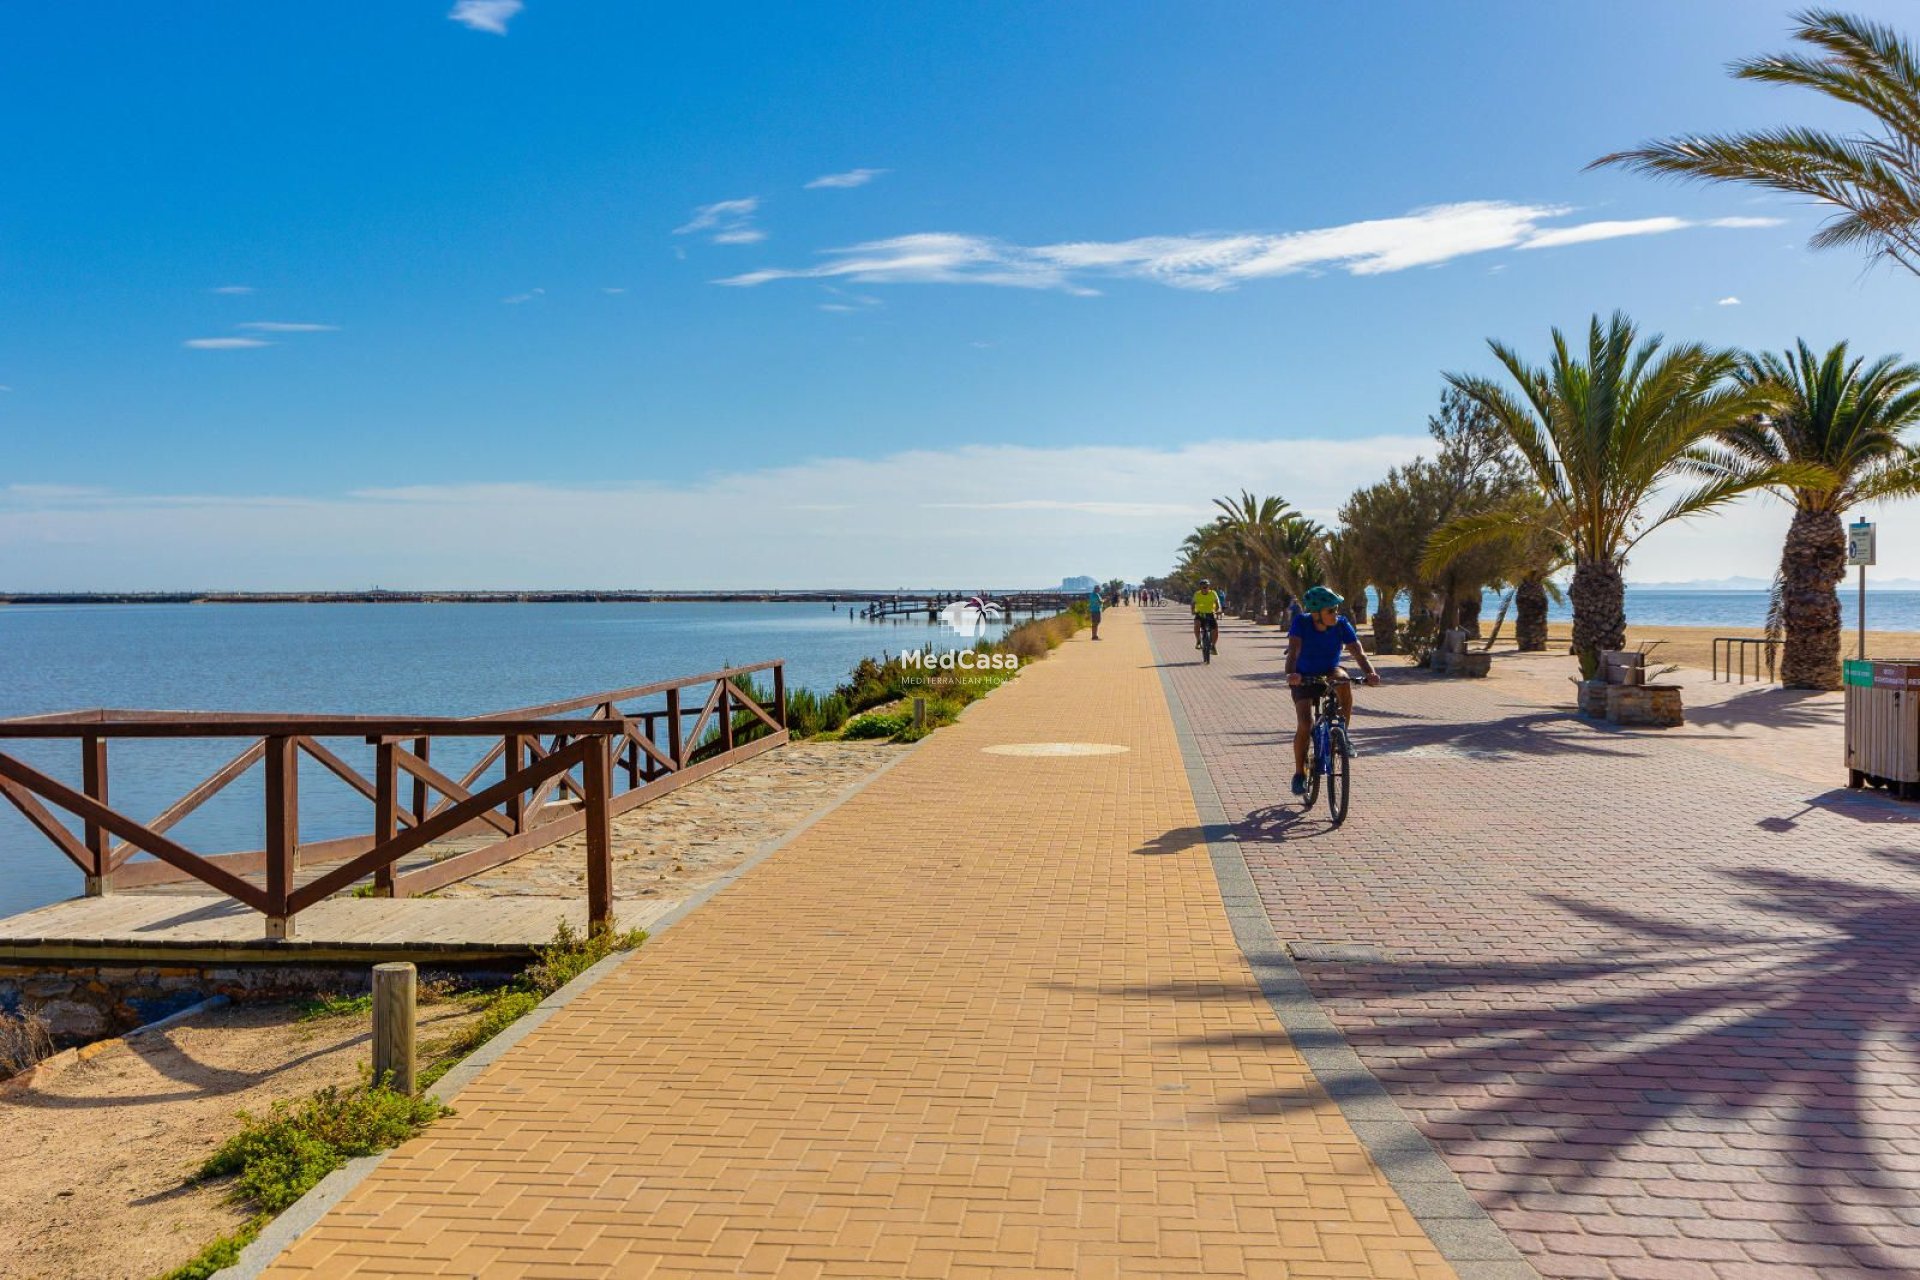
<point x="83" y="1002"/>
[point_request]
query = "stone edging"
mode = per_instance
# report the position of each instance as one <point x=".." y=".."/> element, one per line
<point x="1459" y="1228"/>
<point x="298" y="1218"/>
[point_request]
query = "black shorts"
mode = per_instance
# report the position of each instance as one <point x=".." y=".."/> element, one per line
<point x="1310" y="688"/>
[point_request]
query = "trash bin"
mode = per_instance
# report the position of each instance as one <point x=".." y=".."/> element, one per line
<point x="1883" y="724"/>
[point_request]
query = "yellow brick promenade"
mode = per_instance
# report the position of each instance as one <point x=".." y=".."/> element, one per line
<point x="985" y="1019"/>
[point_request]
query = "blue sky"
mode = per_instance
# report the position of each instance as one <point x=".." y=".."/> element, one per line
<point x="343" y="293"/>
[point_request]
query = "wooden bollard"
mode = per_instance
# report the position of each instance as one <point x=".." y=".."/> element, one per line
<point x="919" y="713"/>
<point x="393" y="1001"/>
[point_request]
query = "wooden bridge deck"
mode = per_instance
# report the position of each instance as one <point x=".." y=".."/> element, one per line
<point x="189" y="926"/>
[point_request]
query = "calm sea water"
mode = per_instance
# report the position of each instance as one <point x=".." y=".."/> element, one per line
<point x="428" y="659"/>
<point x="1886" y="610"/>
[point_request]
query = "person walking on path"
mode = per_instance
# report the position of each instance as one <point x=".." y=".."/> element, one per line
<point x="1314" y="642"/>
<point x="1093" y="610"/>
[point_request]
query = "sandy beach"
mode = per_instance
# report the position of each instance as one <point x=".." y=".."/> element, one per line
<point x="1693" y="646"/>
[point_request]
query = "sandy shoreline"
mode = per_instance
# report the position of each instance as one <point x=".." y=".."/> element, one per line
<point x="1693" y="646"/>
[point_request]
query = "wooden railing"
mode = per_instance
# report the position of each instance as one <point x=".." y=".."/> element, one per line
<point x="600" y="764"/>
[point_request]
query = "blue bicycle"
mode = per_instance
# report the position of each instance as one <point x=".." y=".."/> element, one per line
<point x="1330" y="754"/>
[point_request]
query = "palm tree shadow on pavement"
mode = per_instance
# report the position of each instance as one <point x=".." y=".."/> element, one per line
<point x="1529" y="731"/>
<point x="1771" y="708"/>
<point x="1787" y="1058"/>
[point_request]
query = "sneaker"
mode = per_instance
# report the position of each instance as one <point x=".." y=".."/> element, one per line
<point x="1299" y="784"/>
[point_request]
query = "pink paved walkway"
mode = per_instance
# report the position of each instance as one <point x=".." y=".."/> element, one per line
<point x="1652" y="1000"/>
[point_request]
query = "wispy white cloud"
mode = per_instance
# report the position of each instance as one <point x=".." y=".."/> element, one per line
<point x="528" y="296"/>
<point x="281" y="326"/>
<point x="225" y="344"/>
<point x="231" y="288"/>
<point x="1728" y="301"/>
<point x="613" y="289"/>
<point x="485" y="15"/>
<point x="851" y="178"/>
<point x="1425" y="237"/>
<point x="730" y="221"/>
<point x="5" y="388"/>
<point x="1590" y="231"/>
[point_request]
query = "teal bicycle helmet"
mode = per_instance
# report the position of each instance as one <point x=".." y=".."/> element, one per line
<point x="1318" y="598"/>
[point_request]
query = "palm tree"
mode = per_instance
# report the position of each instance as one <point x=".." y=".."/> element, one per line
<point x="1844" y="417"/>
<point x="1524" y="558"/>
<point x="1276" y="544"/>
<point x="1599" y="435"/>
<point x="1340" y="561"/>
<point x="1873" y="177"/>
<point x="1378" y="520"/>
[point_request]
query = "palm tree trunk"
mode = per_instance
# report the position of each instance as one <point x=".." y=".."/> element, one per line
<point x="1468" y="612"/>
<point x="1386" y="619"/>
<point x="1530" y="620"/>
<point x="1599" y="611"/>
<point x="1812" y="562"/>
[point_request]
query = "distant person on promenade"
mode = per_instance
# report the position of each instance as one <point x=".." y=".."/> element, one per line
<point x="1314" y="641"/>
<point x="1093" y="610"/>
<point x="1206" y="612"/>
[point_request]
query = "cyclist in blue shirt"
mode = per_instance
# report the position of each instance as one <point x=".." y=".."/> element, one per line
<point x="1314" y="642"/>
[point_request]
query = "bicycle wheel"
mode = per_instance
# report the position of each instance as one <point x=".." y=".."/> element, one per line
<point x="1313" y="775"/>
<point x="1339" y="767"/>
<point x="1206" y="645"/>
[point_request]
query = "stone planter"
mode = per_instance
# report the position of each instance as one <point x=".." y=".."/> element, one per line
<point x="1471" y="665"/>
<point x="1592" y="695"/>
<point x="1657" y="705"/>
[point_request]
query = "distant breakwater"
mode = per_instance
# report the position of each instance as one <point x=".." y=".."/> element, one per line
<point x="445" y="597"/>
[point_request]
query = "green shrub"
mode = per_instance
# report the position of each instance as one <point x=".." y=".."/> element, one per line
<point x="877" y="726"/>
<point x="808" y="713"/>
<point x="277" y="1158"/>
<point x="219" y="1255"/>
<point x="569" y="955"/>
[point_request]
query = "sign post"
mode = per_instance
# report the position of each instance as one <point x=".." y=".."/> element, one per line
<point x="1860" y="550"/>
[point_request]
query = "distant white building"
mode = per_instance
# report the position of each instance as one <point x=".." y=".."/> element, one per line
<point x="1078" y="584"/>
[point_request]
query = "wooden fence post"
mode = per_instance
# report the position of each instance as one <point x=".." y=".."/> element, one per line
<point x="514" y="760"/>
<point x="421" y="748"/>
<point x="386" y="811"/>
<point x="393" y="1018"/>
<point x="673" y="728"/>
<point x="283" y="831"/>
<point x="93" y="768"/>
<point x="726" y="716"/>
<point x="598" y="776"/>
<point x="780" y="693"/>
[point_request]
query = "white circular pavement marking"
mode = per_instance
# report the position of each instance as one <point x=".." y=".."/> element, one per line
<point x="1056" y="749"/>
